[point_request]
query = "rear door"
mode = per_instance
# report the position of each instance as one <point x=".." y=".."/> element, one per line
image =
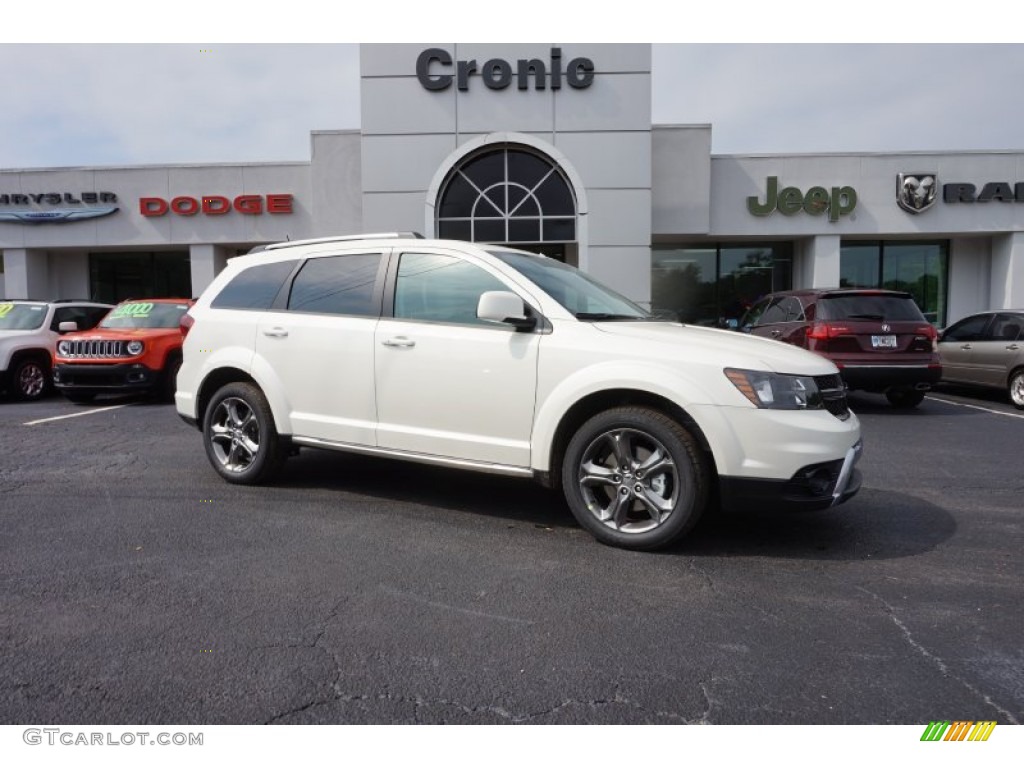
<point x="995" y="352"/>
<point x="318" y="343"/>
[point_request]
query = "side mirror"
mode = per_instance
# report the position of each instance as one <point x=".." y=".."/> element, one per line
<point x="67" y="326"/>
<point x="504" y="307"/>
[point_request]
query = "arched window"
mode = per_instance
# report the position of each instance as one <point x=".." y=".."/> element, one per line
<point x="507" y="194"/>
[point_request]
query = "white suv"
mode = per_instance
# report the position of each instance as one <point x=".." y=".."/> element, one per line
<point x="28" y="332"/>
<point x="497" y="360"/>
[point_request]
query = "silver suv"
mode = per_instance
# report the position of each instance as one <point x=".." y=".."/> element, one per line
<point x="497" y="360"/>
<point x="28" y="332"/>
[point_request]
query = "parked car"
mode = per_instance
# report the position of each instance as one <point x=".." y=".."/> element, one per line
<point x="878" y="339"/>
<point x="136" y="348"/>
<point x="491" y="359"/>
<point x="986" y="350"/>
<point x="28" y="332"/>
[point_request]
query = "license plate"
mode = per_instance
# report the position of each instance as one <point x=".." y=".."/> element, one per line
<point x="883" y="342"/>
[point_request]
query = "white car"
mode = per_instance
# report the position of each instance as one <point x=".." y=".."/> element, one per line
<point x="497" y="360"/>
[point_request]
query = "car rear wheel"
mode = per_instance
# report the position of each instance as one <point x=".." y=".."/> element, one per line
<point x="904" y="398"/>
<point x="635" y="478"/>
<point x="30" y="379"/>
<point x="240" y="437"/>
<point x="1016" y="389"/>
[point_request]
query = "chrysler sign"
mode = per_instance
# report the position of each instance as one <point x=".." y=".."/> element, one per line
<point x="55" y="207"/>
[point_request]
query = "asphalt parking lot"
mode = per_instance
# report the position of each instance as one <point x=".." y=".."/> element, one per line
<point x="137" y="587"/>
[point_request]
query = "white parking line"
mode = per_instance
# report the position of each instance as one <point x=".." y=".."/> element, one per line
<point x="71" y="415"/>
<point x="977" y="408"/>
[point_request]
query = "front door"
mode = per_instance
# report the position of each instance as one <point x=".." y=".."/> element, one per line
<point x="450" y="384"/>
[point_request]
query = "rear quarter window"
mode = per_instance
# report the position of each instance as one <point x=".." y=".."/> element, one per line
<point x="255" y="287"/>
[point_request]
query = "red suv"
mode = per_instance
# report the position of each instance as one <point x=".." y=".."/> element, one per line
<point x="878" y="339"/>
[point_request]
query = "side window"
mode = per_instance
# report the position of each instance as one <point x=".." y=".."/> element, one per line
<point x="75" y="314"/>
<point x="255" y="287"/>
<point x="967" y="330"/>
<point x="441" y="289"/>
<point x="792" y="309"/>
<point x="1005" y="328"/>
<point x="753" y="316"/>
<point x="93" y="316"/>
<point x="337" y="285"/>
<point x="776" y="313"/>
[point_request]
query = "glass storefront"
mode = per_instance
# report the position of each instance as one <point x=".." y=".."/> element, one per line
<point x="711" y="285"/>
<point x="919" y="268"/>
<point x="114" y="277"/>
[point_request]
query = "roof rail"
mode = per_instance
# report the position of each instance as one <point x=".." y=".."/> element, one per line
<point x="339" y="239"/>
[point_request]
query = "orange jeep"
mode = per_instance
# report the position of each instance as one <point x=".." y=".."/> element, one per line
<point x="136" y="348"/>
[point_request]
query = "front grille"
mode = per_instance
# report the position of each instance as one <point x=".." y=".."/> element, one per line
<point x="102" y="348"/>
<point x="833" y="395"/>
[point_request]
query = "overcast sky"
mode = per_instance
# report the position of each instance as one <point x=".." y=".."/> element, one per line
<point x="92" y="103"/>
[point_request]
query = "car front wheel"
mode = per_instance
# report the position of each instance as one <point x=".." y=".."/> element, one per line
<point x="30" y="379"/>
<point x="635" y="478"/>
<point x="239" y="435"/>
<point x="1017" y="389"/>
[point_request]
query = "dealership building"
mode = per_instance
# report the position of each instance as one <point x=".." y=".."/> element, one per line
<point x="549" y="148"/>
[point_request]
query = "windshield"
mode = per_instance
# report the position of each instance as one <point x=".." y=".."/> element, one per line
<point x="578" y="293"/>
<point x="144" y="314"/>
<point x="21" y="317"/>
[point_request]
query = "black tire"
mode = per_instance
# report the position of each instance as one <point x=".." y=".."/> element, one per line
<point x="80" y="397"/>
<point x="240" y="437"/>
<point x="904" y="398"/>
<point x="30" y="379"/>
<point x="1016" y="389"/>
<point x="169" y="378"/>
<point x="637" y="508"/>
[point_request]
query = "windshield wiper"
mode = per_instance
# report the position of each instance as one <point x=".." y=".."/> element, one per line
<point x="608" y="316"/>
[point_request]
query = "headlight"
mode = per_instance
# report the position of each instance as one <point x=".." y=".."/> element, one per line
<point x="134" y="347"/>
<point x="64" y="348"/>
<point x="776" y="390"/>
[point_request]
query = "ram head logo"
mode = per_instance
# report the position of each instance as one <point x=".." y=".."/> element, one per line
<point x="916" y="192"/>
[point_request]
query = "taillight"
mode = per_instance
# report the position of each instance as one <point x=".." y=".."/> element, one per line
<point x="822" y="331"/>
<point x="186" y="322"/>
<point x="930" y="334"/>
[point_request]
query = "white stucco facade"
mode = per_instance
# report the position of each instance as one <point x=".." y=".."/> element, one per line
<point x="636" y="187"/>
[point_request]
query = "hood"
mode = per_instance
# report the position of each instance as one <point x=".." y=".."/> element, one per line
<point x="730" y="349"/>
<point x="120" y="334"/>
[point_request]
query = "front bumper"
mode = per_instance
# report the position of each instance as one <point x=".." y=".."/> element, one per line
<point x="816" y="486"/>
<point x="115" y="377"/>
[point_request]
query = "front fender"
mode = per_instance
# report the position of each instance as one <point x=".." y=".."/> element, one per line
<point x="670" y="383"/>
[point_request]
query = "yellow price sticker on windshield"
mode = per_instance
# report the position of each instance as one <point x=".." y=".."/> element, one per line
<point x="134" y="309"/>
<point x="5" y="309"/>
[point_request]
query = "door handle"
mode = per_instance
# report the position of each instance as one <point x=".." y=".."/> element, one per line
<point x="277" y="333"/>
<point x="776" y="333"/>
<point x="965" y="346"/>
<point x="399" y="341"/>
<point x="1014" y="347"/>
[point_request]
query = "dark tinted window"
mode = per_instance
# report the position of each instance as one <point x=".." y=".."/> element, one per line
<point x="868" y="307"/>
<point x="969" y="329"/>
<point x="784" y="310"/>
<point x="85" y="317"/>
<point x="1006" y="328"/>
<point x="337" y="285"/>
<point x="440" y="288"/>
<point x="255" y="287"/>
